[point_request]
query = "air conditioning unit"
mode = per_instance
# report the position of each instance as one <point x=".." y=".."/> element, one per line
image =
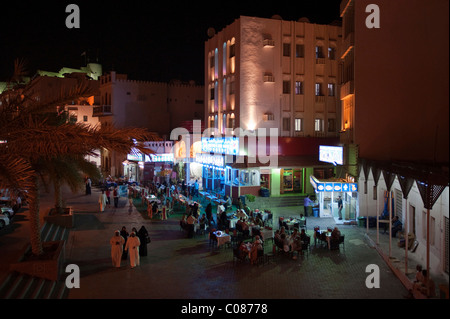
<point x="269" y="78"/>
<point x="268" y="43"/>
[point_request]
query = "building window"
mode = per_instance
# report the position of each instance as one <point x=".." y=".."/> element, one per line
<point x="232" y="87"/>
<point x="318" y="125"/>
<point x="286" y="124"/>
<point x="298" y="125"/>
<point x="287" y="49"/>
<point x="319" y="89"/>
<point x="232" y="50"/>
<point x="212" y="62"/>
<point x="331" y="89"/>
<point x="212" y="90"/>
<point x="286" y="87"/>
<point x="331" y="53"/>
<point x="300" y="51"/>
<point x="298" y="88"/>
<point x="319" y="52"/>
<point x="268" y="117"/>
<point x="331" y="125"/>
<point x="85" y="118"/>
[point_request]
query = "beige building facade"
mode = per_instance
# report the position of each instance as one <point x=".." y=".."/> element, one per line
<point x="271" y="73"/>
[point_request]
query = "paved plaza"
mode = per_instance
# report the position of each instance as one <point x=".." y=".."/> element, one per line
<point x="190" y="269"/>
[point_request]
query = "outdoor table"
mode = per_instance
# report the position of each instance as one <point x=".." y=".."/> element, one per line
<point x="233" y="222"/>
<point x="222" y="238"/>
<point x="328" y="236"/>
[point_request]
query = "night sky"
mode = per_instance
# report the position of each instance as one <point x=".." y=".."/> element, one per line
<point x="148" y="40"/>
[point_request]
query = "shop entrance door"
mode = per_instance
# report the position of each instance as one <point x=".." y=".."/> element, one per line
<point x="288" y="180"/>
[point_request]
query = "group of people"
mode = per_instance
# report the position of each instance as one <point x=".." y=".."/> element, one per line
<point x="251" y="250"/>
<point x="104" y="200"/>
<point x="424" y="283"/>
<point x="132" y="245"/>
<point x="290" y="243"/>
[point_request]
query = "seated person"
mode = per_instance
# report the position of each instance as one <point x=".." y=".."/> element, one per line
<point x="334" y="239"/>
<point x="426" y="286"/>
<point x="245" y="227"/>
<point x="203" y="220"/>
<point x="303" y="235"/>
<point x="256" y="246"/>
<point x="183" y="223"/>
<point x="241" y="214"/>
<point x="277" y="237"/>
<point x="396" y="226"/>
<point x="259" y="222"/>
<point x="285" y="243"/>
<point x="243" y="250"/>
<point x="295" y="240"/>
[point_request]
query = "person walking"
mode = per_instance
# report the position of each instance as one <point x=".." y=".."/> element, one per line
<point x="124" y="233"/>
<point x="108" y="197"/>
<point x="102" y="200"/>
<point x="130" y="197"/>
<point x="132" y="247"/>
<point x="116" y="242"/>
<point x="144" y="238"/>
<point x="88" y="186"/>
<point x="340" y="206"/>
<point x="306" y="203"/>
<point x="116" y="197"/>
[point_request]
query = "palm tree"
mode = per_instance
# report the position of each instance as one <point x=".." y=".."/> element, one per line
<point x="28" y="139"/>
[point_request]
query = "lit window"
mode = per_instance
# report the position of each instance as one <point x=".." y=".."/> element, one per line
<point x="298" y="125"/>
<point x="318" y="125"/>
<point x="319" y="52"/>
<point x="318" y="89"/>
<point x="85" y="118"/>
<point x="331" y="89"/>
<point x="298" y="87"/>
<point x="331" y="53"/>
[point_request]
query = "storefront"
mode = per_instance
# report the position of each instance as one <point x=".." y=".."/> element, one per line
<point x="213" y="172"/>
<point x="327" y="196"/>
<point x="242" y="179"/>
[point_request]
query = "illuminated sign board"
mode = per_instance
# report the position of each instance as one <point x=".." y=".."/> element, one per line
<point x="333" y="187"/>
<point x="157" y="158"/>
<point x="207" y="159"/>
<point x="135" y="156"/>
<point x="221" y="145"/>
<point x="331" y="154"/>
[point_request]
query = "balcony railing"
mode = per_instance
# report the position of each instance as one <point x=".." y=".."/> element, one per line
<point x="320" y="99"/>
<point x="104" y="110"/>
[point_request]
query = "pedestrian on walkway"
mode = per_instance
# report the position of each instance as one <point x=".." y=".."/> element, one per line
<point x="102" y="201"/>
<point x="132" y="246"/>
<point x="340" y="206"/>
<point x="130" y="197"/>
<point x="144" y="237"/>
<point x="306" y="203"/>
<point x="124" y="233"/>
<point x="88" y="186"/>
<point x="108" y="197"/>
<point x="117" y="242"/>
<point x="116" y="197"/>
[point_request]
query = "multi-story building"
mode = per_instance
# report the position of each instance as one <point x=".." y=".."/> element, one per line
<point x="271" y="73"/>
<point x="394" y="100"/>
<point x="280" y="75"/>
<point x="160" y="107"/>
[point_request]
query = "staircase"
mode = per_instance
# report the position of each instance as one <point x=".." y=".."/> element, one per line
<point x="278" y="201"/>
<point x="22" y="286"/>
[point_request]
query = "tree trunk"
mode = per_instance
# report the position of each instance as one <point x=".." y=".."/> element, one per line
<point x="59" y="209"/>
<point x="35" y="223"/>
